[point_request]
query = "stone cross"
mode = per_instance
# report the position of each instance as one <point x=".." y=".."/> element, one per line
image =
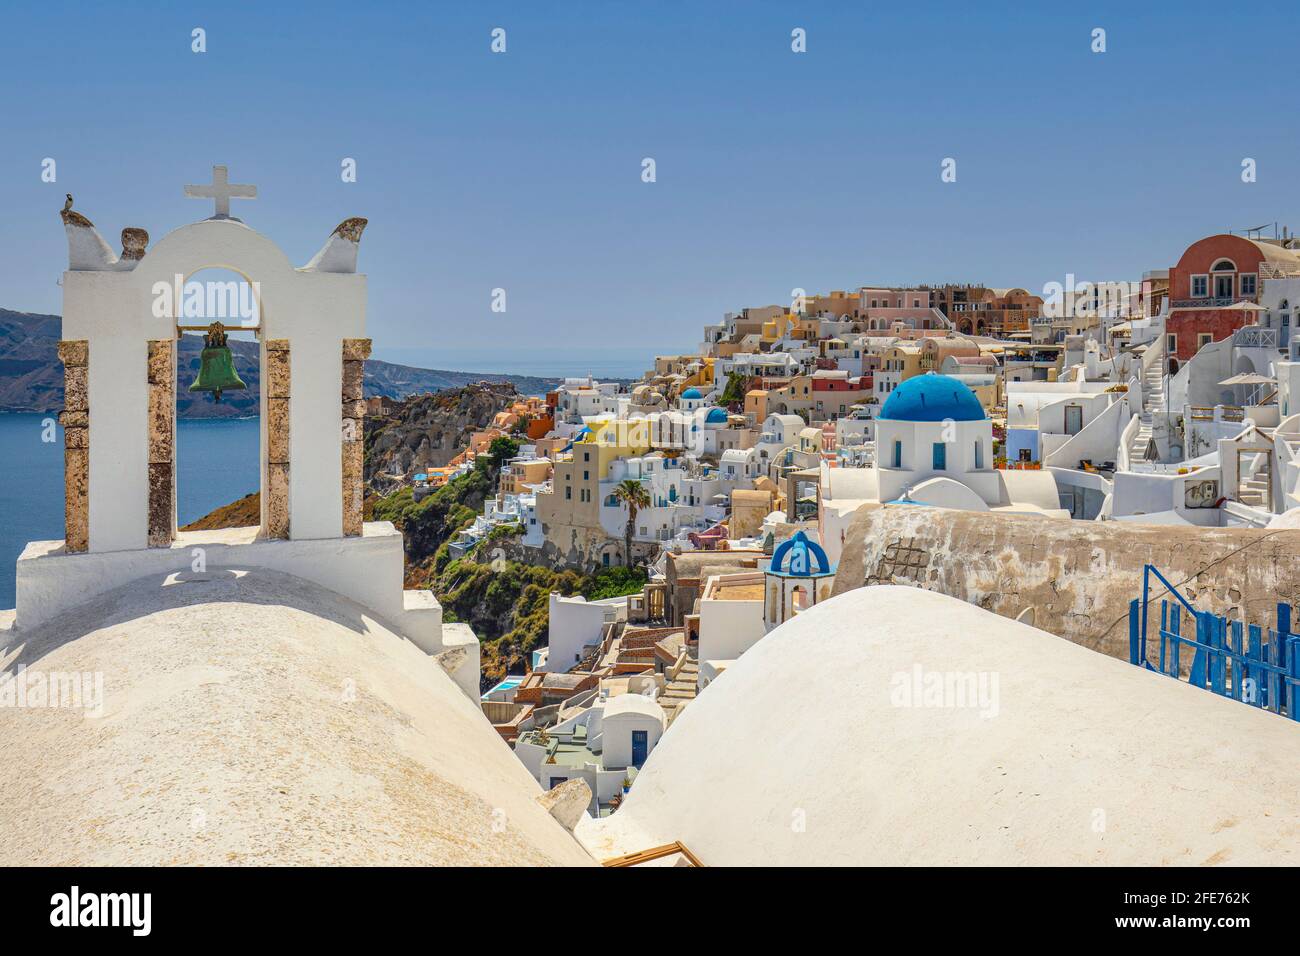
<point x="221" y="190"/>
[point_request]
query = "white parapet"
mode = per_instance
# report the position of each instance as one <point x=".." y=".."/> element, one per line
<point x="366" y="569"/>
<point x="460" y="640"/>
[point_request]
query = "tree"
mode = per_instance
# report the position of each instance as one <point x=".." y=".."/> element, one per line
<point x="734" y="392"/>
<point x="633" y="496"/>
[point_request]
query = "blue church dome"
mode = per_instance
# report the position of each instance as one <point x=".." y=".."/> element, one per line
<point x="716" y="416"/>
<point x="932" y="398"/>
<point x="691" y="393"/>
<point x="798" y="557"/>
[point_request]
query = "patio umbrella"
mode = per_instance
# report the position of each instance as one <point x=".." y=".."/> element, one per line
<point x="1250" y="378"/>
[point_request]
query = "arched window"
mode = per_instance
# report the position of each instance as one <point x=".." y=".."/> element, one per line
<point x="1224" y="265"/>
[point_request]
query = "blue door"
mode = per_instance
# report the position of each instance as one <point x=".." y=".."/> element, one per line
<point x="639" y="746"/>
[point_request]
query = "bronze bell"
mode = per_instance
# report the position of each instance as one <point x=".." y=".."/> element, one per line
<point x="216" y="365"/>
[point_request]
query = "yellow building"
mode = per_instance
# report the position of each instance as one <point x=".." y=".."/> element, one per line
<point x="701" y="378"/>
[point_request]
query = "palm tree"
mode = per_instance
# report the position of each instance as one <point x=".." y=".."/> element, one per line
<point x="632" y="494"/>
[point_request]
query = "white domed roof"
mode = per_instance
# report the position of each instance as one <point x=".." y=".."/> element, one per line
<point x="257" y="718"/>
<point x="805" y="751"/>
<point x="633" y="704"/>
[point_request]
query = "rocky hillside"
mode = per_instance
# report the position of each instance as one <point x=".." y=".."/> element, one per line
<point x="427" y="431"/>
<point x="506" y="602"/>
<point x="31" y="378"/>
<point x="238" y="514"/>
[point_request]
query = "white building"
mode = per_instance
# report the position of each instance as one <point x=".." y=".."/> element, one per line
<point x="575" y="625"/>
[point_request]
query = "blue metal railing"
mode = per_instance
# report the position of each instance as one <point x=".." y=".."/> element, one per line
<point x="1255" y="665"/>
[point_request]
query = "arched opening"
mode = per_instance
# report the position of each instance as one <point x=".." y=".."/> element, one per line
<point x="799" y="598"/>
<point x="219" y="441"/>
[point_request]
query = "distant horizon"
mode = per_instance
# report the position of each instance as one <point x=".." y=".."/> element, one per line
<point x="625" y="363"/>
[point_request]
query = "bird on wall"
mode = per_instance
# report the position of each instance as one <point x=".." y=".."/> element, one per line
<point x="73" y="218"/>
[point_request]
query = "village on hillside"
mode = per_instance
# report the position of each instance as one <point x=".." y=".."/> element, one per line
<point x="844" y="553"/>
<point x="733" y="475"/>
<point x="665" y="436"/>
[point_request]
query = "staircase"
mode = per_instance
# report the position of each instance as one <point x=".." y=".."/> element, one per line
<point x="1153" y="398"/>
<point x="681" y="690"/>
<point x="1253" y="491"/>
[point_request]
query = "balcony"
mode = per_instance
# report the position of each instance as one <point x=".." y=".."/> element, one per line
<point x="1255" y="337"/>
<point x="1207" y="302"/>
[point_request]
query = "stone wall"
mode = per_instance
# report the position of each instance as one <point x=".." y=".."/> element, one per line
<point x="162" y="442"/>
<point x="75" y="419"/>
<point x="583" y="549"/>
<point x="355" y="353"/>
<point x="275" y="506"/>
<point x="1076" y="577"/>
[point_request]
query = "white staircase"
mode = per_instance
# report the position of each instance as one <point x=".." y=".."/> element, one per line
<point x="1153" y="398"/>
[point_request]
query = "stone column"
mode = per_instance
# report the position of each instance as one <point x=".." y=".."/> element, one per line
<point x="355" y="352"/>
<point x="162" y="443"/>
<point x="75" y="419"/>
<point x="276" y="384"/>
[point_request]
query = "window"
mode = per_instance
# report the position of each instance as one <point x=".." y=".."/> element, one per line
<point x="898" y="454"/>
<point x="1203" y="339"/>
<point x="940" y="460"/>
<point x="568" y="494"/>
<point x="1248" y="281"/>
<point x="979" y="454"/>
<point x="1171" y="342"/>
<point x="1200" y="287"/>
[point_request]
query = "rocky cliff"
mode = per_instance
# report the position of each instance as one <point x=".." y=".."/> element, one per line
<point x="427" y="431"/>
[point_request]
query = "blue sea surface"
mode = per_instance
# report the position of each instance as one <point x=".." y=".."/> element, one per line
<point x="216" y="463"/>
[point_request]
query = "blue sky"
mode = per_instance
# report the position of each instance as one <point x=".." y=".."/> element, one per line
<point x="775" y="170"/>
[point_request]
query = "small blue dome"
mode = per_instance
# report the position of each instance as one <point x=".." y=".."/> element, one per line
<point x="716" y="416"/>
<point x="795" y="558"/>
<point x="692" y="393"/>
<point x="932" y="398"/>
